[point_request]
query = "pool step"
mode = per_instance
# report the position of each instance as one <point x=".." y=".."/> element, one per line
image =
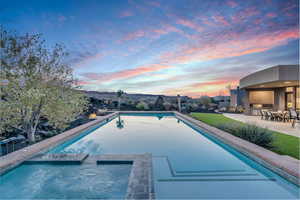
<point x="209" y="184"/>
<point x="165" y="172"/>
<point x="219" y="179"/>
<point x="58" y="158"/>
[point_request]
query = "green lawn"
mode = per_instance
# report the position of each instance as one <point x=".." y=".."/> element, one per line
<point x="283" y="144"/>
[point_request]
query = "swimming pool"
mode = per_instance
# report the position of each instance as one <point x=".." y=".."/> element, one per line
<point x="187" y="162"/>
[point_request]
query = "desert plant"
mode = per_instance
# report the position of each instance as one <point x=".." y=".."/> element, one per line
<point x="142" y="106"/>
<point x="250" y="132"/>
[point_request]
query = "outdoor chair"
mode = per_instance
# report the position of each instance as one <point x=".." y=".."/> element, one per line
<point x="267" y="116"/>
<point x="262" y="114"/>
<point x="277" y="116"/>
<point x="272" y="116"/>
<point x="285" y="116"/>
<point x="294" y="117"/>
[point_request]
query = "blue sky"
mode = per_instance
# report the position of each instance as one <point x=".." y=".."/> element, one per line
<point x="189" y="47"/>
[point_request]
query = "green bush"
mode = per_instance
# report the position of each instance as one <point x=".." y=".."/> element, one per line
<point x="252" y="133"/>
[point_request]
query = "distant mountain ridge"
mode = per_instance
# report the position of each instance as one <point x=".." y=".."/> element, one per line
<point x="136" y="97"/>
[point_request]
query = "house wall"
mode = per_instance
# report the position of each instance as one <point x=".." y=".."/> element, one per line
<point x="279" y="97"/>
<point x="233" y="99"/>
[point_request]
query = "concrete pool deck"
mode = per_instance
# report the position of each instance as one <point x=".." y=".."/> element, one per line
<point x="283" y="165"/>
<point x="282" y="127"/>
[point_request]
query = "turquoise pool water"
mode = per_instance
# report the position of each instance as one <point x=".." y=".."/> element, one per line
<point x="60" y="181"/>
<point x="187" y="162"/>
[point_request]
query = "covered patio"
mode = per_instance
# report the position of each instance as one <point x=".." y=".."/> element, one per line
<point x="273" y="89"/>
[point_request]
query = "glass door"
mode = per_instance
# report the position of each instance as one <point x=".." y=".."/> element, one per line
<point x="289" y="103"/>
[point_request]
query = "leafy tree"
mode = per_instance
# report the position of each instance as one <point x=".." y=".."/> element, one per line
<point x="205" y="101"/>
<point x="35" y="83"/>
<point x="120" y="123"/>
<point x="119" y="95"/>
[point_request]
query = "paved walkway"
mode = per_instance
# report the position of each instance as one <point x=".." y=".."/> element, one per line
<point x="275" y="126"/>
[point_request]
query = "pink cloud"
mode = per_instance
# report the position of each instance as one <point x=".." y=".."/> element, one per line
<point x="152" y="33"/>
<point x="230" y="47"/>
<point x="206" y="21"/>
<point x="271" y="15"/>
<point x="209" y="88"/>
<point x="232" y="4"/>
<point x="154" y="3"/>
<point x="258" y="21"/>
<point x="165" y="29"/>
<point x="244" y="14"/>
<point x="221" y="20"/>
<point x="190" y="24"/>
<point x="134" y="35"/>
<point x="249" y="12"/>
<point x="82" y="83"/>
<point x="129" y="73"/>
<point x="126" y="14"/>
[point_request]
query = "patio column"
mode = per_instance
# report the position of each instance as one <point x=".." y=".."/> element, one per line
<point x="279" y="100"/>
<point x="246" y="103"/>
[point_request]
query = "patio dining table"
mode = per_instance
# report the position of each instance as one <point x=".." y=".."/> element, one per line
<point x="280" y="115"/>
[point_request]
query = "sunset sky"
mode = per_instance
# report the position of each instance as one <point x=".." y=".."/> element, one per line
<point x="187" y="47"/>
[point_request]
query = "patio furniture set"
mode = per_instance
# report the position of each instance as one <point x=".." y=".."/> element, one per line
<point x="281" y="116"/>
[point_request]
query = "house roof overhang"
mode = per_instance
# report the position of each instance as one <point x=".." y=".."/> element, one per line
<point x="273" y="77"/>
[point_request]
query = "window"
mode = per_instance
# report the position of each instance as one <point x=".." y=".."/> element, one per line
<point x="289" y="100"/>
<point x="261" y="97"/>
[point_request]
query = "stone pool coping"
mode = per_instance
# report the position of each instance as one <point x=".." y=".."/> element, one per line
<point x="283" y="165"/>
<point x="15" y="158"/>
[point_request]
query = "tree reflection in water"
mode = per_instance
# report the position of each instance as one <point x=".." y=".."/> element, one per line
<point x="120" y="123"/>
<point x="160" y="117"/>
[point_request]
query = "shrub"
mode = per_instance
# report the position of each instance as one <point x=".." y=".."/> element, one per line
<point x="252" y="133"/>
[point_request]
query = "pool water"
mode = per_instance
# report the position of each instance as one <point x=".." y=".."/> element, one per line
<point x="187" y="163"/>
<point x="56" y="181"/>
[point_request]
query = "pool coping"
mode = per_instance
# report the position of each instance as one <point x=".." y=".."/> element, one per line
<point x="283" y="165"/>
<point x="15" y="158"/>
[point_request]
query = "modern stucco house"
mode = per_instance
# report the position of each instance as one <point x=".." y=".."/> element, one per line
<point x="274" y="88"/>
